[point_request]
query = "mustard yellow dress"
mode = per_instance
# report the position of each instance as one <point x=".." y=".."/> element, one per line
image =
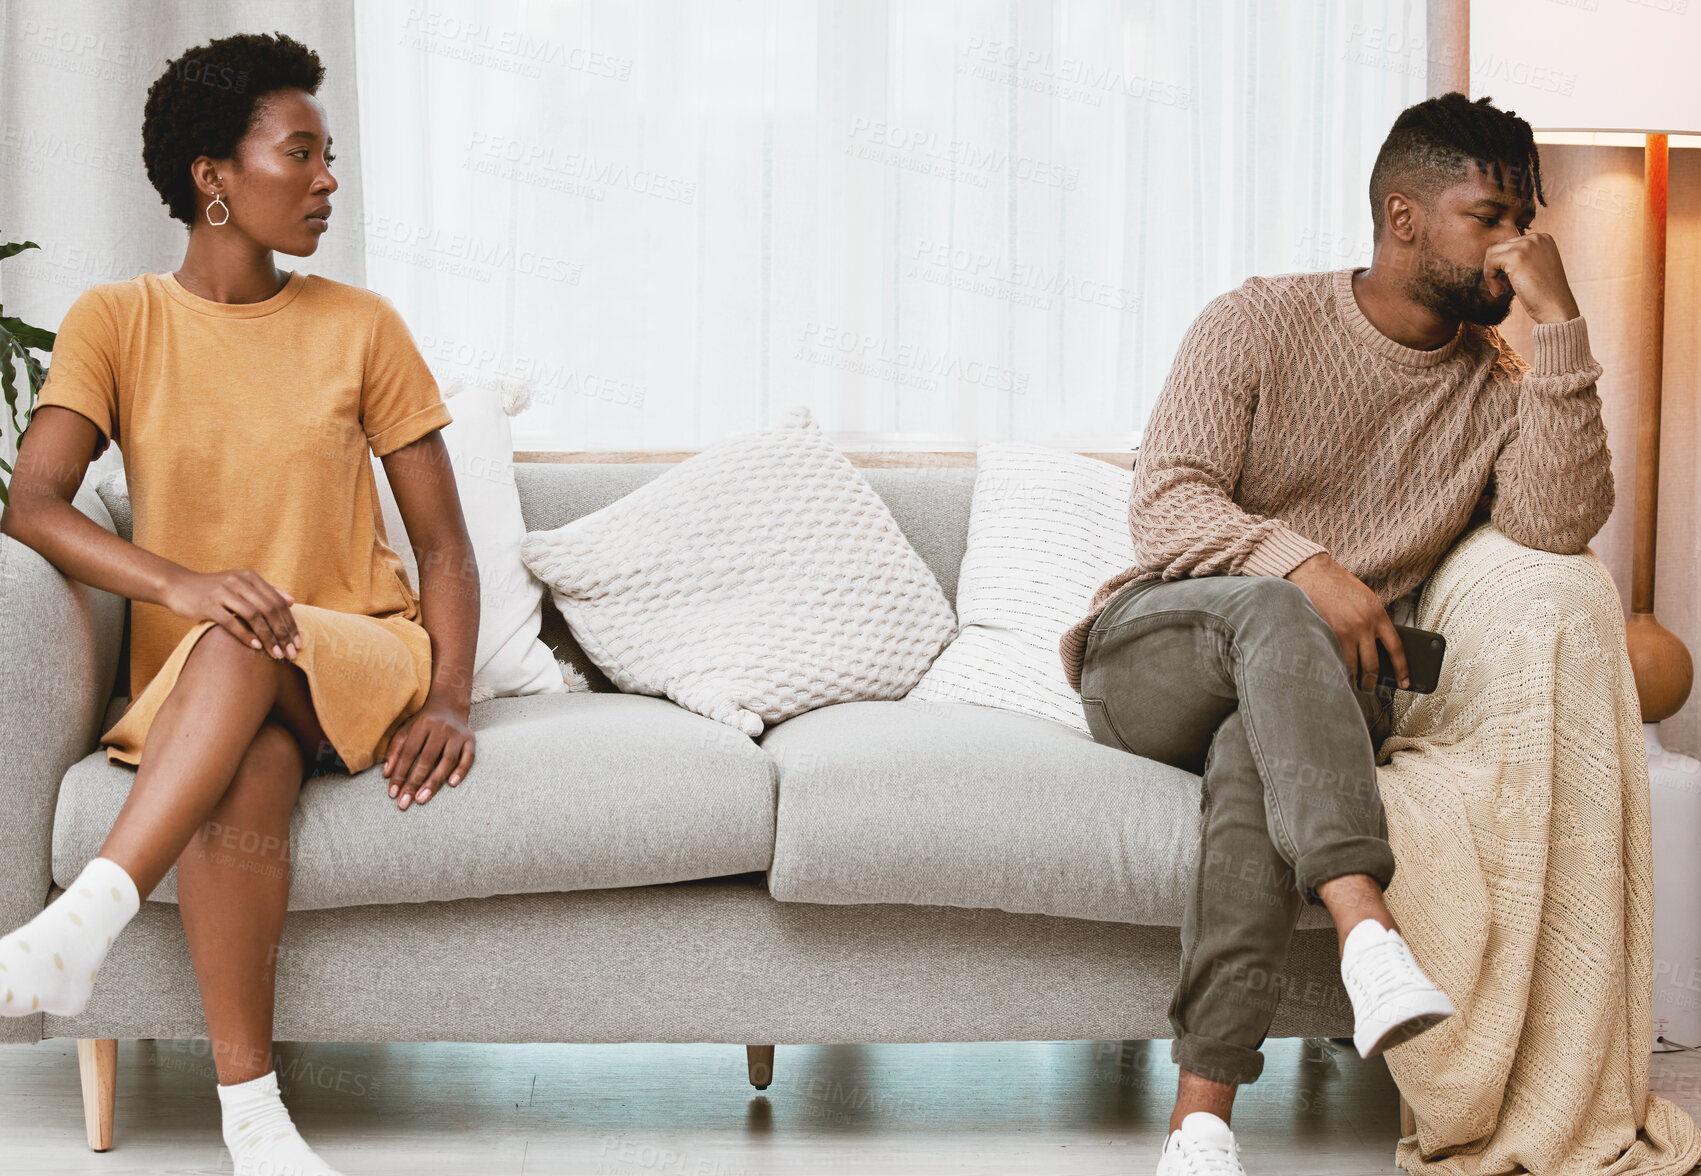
<point x="245" y="430"/>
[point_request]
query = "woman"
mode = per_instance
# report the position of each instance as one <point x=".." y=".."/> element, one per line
<point x="245" y="400"/>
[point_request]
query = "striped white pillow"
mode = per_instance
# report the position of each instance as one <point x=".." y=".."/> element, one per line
<point x="1046" y="528"/>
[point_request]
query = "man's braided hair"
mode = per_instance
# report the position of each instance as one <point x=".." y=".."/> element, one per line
<point x="1434" y="142"/>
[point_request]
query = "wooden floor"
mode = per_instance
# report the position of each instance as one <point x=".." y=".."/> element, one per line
<point x="687" y="1110"/>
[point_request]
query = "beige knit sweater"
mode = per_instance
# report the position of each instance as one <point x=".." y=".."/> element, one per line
<point x="1290" y="425"/>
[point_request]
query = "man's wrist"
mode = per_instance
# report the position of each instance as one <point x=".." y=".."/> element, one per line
<point x="1311" y="561"/>
<point x="1557" y="314"/>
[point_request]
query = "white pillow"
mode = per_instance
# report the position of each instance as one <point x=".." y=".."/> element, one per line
<point x="511" y="660"/>
<point x="756" y="580"/>
<point x="1046" y="528"/>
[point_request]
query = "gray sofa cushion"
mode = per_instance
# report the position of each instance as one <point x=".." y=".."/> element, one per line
<point x="569" y="792"/>
<point x="953" y="804"/>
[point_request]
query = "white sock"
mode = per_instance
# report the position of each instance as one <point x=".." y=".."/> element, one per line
<point x="261" y="1137"/>
<point x="48" y="965"/>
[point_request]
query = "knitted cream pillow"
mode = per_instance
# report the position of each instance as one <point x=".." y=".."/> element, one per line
<point x="1046" y="528"/>
<point x="756" y="580"/>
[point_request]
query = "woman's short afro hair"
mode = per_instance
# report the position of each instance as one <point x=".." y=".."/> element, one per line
<point x="208" y="98"/>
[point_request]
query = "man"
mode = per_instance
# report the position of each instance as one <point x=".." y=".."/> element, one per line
<point x="1321" y="441"/>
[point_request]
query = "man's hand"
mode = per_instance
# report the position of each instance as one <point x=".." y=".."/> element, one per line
<point x="1530" y="265"/>
<point x="1355" y="614"/>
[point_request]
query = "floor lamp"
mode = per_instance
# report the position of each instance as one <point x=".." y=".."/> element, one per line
<point x="1627" y="78"/>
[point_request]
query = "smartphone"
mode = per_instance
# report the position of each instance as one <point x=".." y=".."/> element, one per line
<point x="1424" y="651"/>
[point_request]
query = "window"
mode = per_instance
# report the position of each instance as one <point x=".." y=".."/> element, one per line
<point x="934" y="224"/>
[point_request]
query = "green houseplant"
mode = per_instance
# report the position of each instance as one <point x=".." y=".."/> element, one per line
<point x="17" y="340"/>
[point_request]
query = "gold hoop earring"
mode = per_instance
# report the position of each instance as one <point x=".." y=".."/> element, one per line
<point x="218" y="200"/>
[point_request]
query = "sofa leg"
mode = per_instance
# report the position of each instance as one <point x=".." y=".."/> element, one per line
<point x="760" y="1059"/>
<point x="97" y="1060"/>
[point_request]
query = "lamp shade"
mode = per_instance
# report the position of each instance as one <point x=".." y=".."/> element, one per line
<point x="1624" y="65"/>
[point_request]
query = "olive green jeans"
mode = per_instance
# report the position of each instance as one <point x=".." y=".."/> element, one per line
<point x="1240" y="680"/>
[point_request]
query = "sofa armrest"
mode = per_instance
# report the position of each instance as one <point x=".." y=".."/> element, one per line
<point x="59" y="644"/>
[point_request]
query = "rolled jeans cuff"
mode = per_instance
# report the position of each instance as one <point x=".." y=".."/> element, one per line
<point x="1216" y="1060"/>
<point x="1352" y="855"/>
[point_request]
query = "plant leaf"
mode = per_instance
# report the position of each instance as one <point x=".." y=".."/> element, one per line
<point x="9" y="381"/>
<point x="36" y="337"/>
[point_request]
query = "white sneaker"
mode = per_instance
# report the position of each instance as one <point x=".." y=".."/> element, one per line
<point x="1202" y="1146"/>
<point x="1393" y="1001"/>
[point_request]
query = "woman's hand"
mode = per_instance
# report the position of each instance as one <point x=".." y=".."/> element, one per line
<point x="433" y="742"/>
<point x="242" y="603"/>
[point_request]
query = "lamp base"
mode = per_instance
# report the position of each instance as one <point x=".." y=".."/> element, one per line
<point x="1661" y="665"/>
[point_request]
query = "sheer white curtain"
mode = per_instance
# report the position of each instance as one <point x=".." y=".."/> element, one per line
<point x="934" y="224"/>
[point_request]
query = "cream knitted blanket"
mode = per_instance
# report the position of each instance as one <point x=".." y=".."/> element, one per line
<point x="1517" y="800"/>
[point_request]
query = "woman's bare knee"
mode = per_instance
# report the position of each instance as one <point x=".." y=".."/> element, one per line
<point x="223" y="651"/>
<point x="291" y="715"/>
<point x="272" y="764"/>
<point x="220" y="656"/>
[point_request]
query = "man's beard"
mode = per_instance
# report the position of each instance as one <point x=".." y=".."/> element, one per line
<point x="1455" y="291"/>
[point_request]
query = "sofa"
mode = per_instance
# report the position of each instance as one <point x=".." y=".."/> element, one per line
<point x="615" y="868"/>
